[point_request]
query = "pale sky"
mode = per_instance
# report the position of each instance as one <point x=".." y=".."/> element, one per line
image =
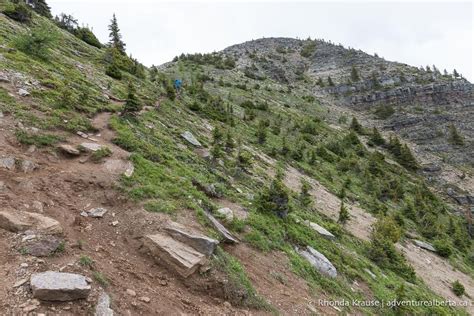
<point x="421" y="33"/>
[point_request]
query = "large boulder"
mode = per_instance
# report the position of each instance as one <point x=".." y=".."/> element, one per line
<point x="90" y="147"/>
<point x="178" y="256"/>
<point x="18" y="221"/>
<point x="69" y="150"/>
<point x="189" y="137"/>
<point x="228" y="237"/>
<point x="319" y="261"/>
<point x="201" y="243"/>
<point x="58" y="286"/>
<point x="320" y="230"/>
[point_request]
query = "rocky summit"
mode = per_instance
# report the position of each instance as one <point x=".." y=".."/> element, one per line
<point x="277" y="176"/>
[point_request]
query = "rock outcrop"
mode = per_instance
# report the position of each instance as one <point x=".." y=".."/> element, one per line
<point x="228" y="237"/>
<point x="201" y="243"/>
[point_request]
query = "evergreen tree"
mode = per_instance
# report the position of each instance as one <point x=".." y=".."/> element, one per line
<point x="217" y="135"/>
<point x="407" y="159"/>
<point x="375" y="81"/>
<point x="455" y="74"/>
<point x="229" y="141"/>
<point x="354" y="74"/>
<point x="330" y="82"/>
<point x="376" y="138"/>
<point x="41" y="7"/>
<point x="274" y="199"/>
<point x="343" y="214"/>
<point x="132" y="104"/>
<point x="261" y="132"/>
<point x="320" y="82"/>
<point x="115" y="36"/>
<point x="454" y="137"/>
<point x="355" y="126"/>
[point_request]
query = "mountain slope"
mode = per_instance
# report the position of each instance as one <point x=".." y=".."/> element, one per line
<point x="262" y="131"/>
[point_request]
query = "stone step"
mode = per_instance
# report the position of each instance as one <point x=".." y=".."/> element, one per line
<point x="18" y="221"/>
<point x="59" y="286"/>
<point x="201" y="243"/>
<point x="165" y="250"/>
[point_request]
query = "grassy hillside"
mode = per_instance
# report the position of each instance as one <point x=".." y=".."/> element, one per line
<point x="254" y="131"/>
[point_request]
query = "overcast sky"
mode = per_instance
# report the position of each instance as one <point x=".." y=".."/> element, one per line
<point x="423" y="33"/>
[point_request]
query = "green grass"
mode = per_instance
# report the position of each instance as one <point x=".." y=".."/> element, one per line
<point x="86" y="261"/>
<point x="101" y="279"/>
<point x="40" y="140"/>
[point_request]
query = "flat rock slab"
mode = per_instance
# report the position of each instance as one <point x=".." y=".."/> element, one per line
<point x="91" y="147"/>
<point x="59" y="286"/>
<point x="43" y="247"/>
<point x="119" y="166"/>
<point x="189" y="137"/>
<point x="97" y="212"/>
<point x="203" y="244"/>
<point x="18" y="221"/>
<point x="424" y="245"/>
<point x="70" y="150"/>
<point x="228" y="237"/>
<point x="178" y="256"/>
<point x="320" y="230"/>
<point x="319" y="261"/>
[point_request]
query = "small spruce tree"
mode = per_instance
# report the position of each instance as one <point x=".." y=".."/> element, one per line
<point x="456" y="74"/>
<point x="376" y="138"/>
<point x="330" y="82"/>
<point x="305" y="197"/>
<point x="41" y="7"/>
<point x="343" y="214"/>
<point x="354" y="74"/>
<point x="355" y="126"/>
<point x="132" y="104"/>
<point x="454" y="137"/>
<point x="115" y="36"/>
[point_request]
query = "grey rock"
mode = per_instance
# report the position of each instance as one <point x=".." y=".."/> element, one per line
<point x="174" y="254"/>
<point x="7" y="163"/>
<point x="372" y="275"/>
<point x="4" y="78"/>
<point x="43" y="247"/>
<point x="103" y="306"/>
<point x="97" y="212"/>
<point x="2" y="186"/>
<point x="320" y="230"/>
<point x="424" y="245"/>
<point x="58" y="286"/>
<point x="188" y="136"/>
<point x="70" y="150"/>
<point x="119" y="166"/>
<point x="228" y="237"/>
<point x="201" y="243"/>
<point x="91" y="147"/>
<point x="227" y="213"/>
<point x="27" y="166"/>
<point x="23" y="93"/>
<point x="319" y="261"/>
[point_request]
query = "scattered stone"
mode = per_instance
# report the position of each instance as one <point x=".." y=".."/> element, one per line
<point x="320" y="230"/>
<point x="38" y="206"/>
<point x="203" y="244"/>
<point x="114" y="223"/>
<point x="20" y="283"/>
<point x="131" y="292"/>
<point x="144" y="299"/>
<point x="97" y="212"/>
<point x="103" y="306"/>
<point x="424" y="245"/>
<point x="82" y="134"/>
<point x="319" y="261"/>
<point x="227" y="213"/>
<point x="58" y="286"/>
<point x="119" y="166"/>
<point x="228" y="237"/>
<point x="18" y="221"/>
<point x="27" y="166"/>
<point x="84" y="214"/>
<point x="2" y="186"/>
<point x="23" y="93"/>
<point x="70" y="150"/>
<point x="181" y="257"/>
<point x="202" y="152"/>
<point x="91" y="147"/>
<point x="188" y="136"/>
<point x="43" y="247"/>
<point x="24" y="265"/>
<point x="372" y="275"/>
<point x="7" y="163"/>
<point x="4" y="78"/>
<point x="30" y="306"/>
<point x="209" y="190"/>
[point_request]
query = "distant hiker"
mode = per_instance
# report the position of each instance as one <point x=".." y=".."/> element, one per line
<point x="177" y="85"/>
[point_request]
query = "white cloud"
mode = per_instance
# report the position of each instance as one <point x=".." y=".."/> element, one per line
<point x="422" y="33"/>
